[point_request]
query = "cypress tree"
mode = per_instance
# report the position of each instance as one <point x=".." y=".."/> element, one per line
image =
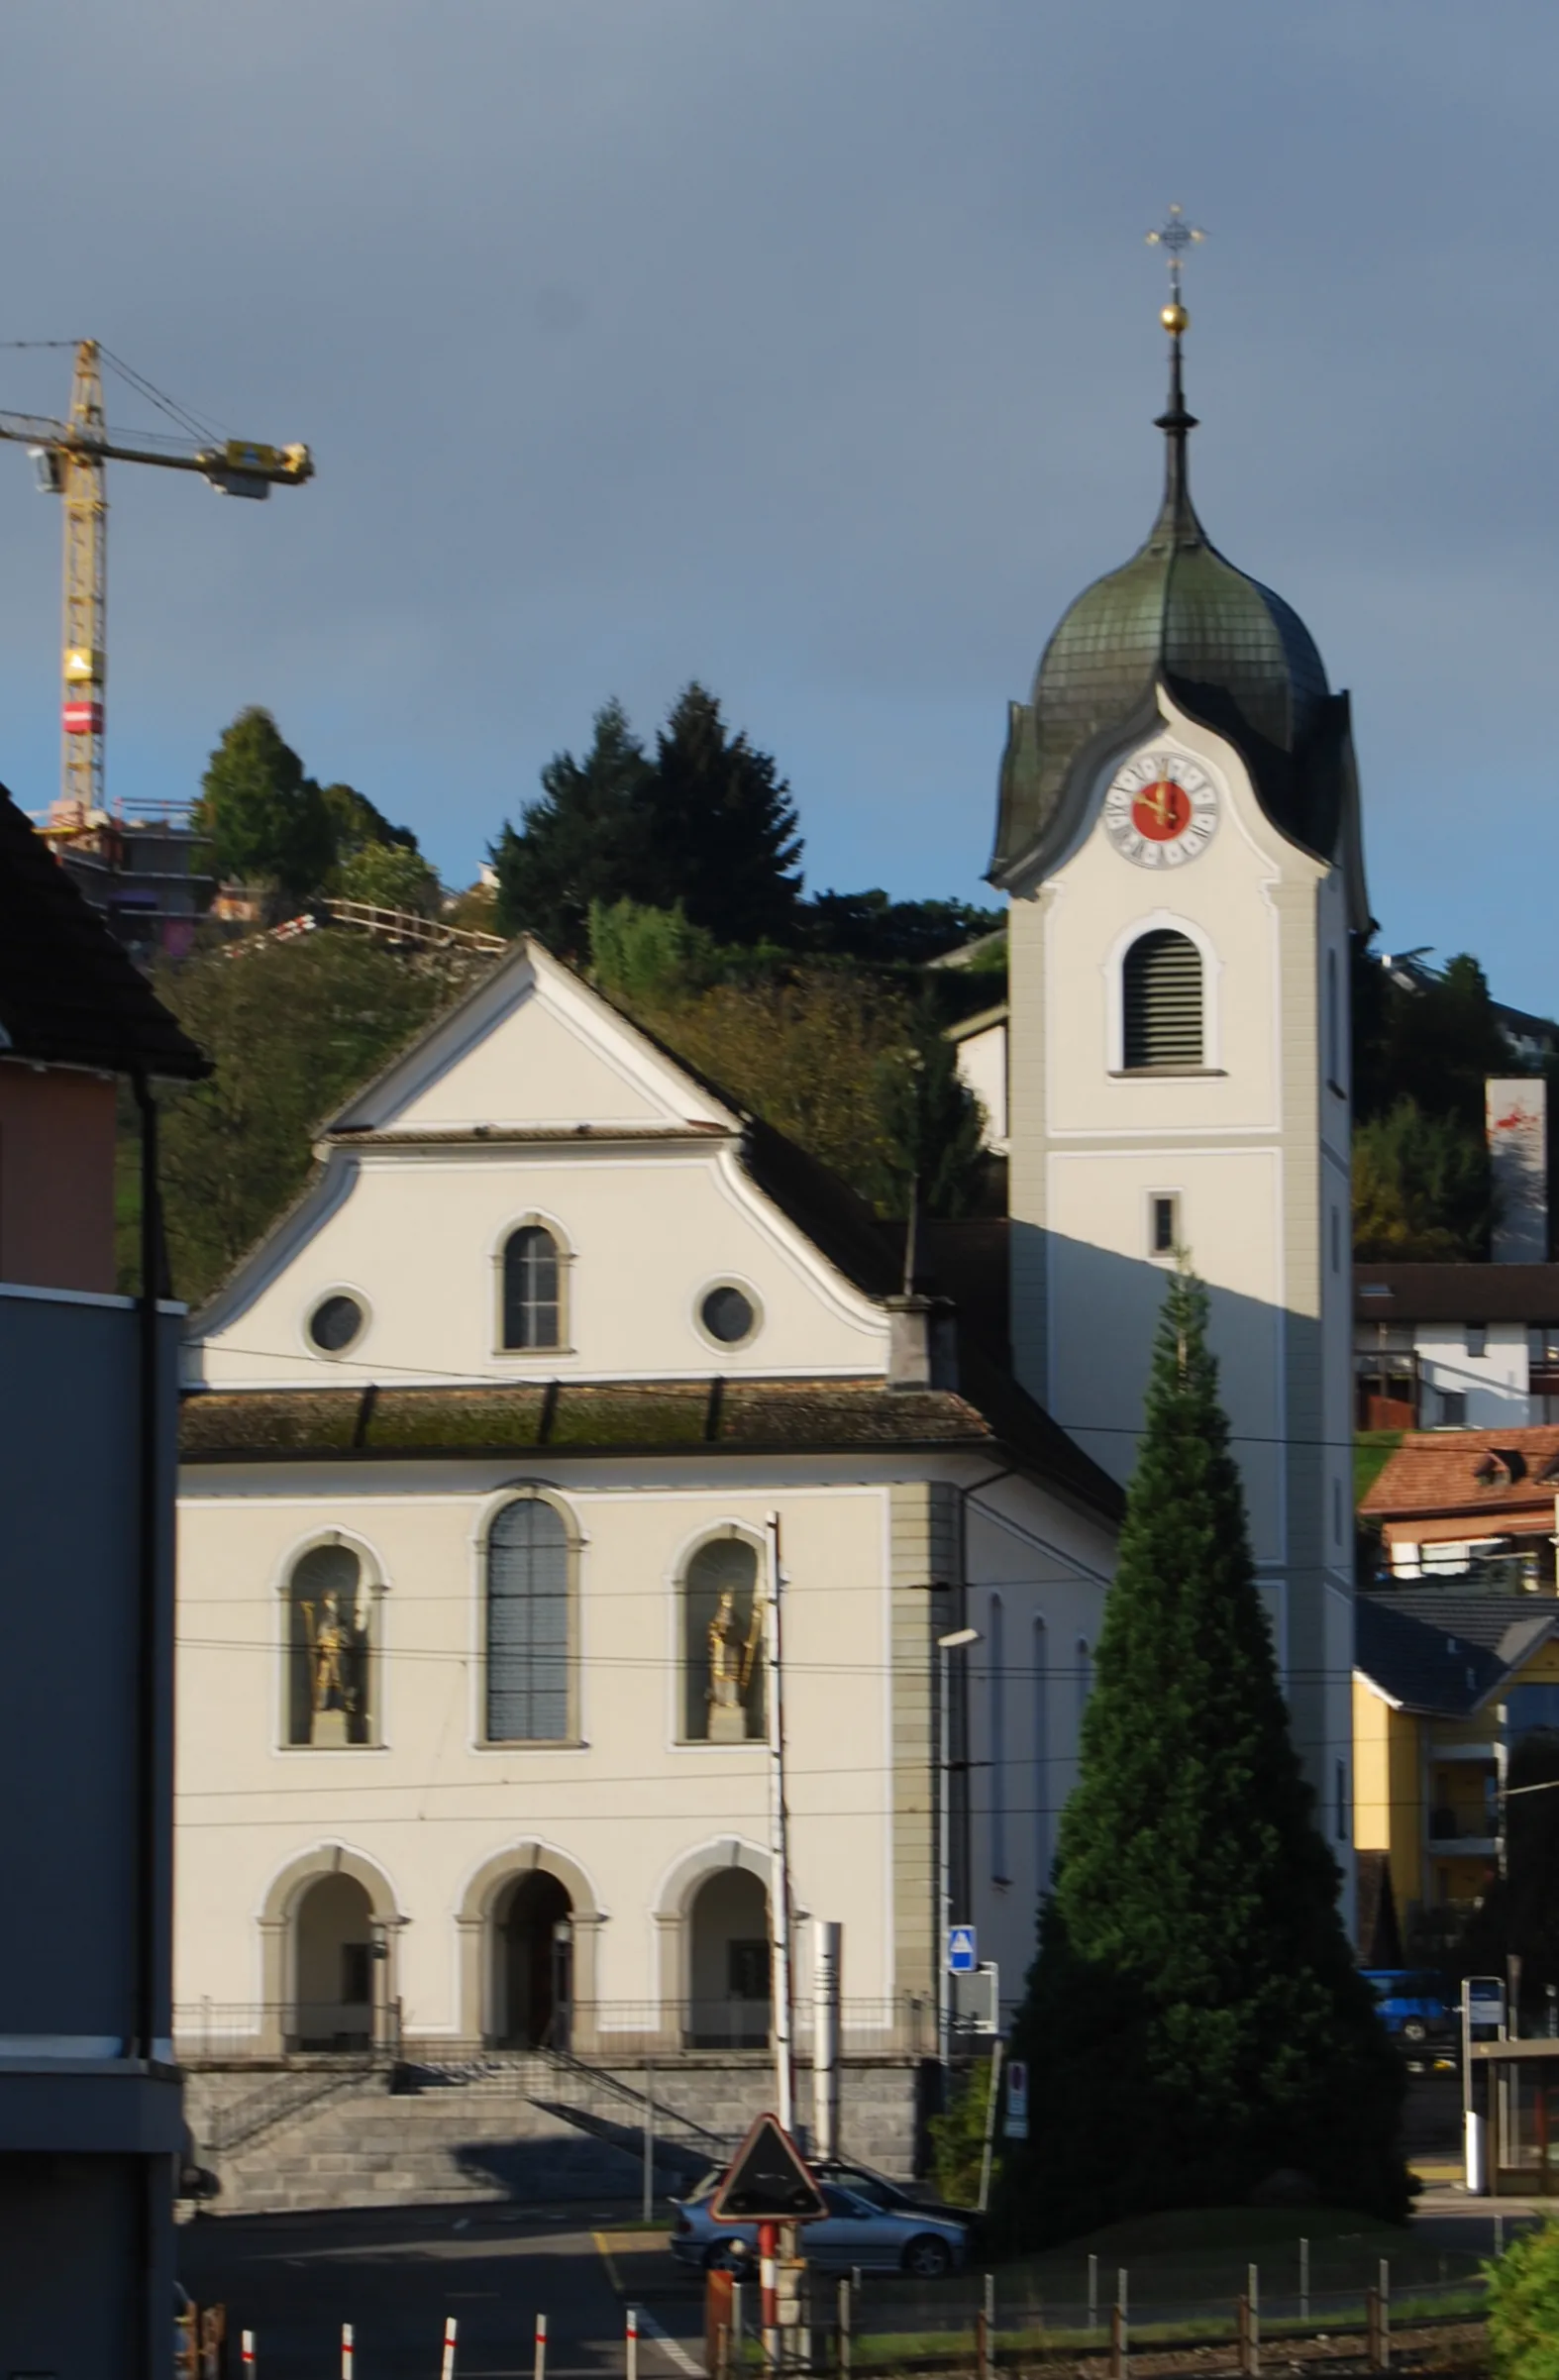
<point x="724" y="838"/>
<point x="1193" y="2021"/>
<point x="586" y="839"/>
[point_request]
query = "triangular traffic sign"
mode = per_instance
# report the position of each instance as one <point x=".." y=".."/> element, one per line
<point x="768" y="2181"/>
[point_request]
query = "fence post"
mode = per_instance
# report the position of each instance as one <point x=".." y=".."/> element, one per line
<point x="630" y="2344"/>
<point x="541" y="2346"/>
<point x="1304" y="2280"/>
<point x="842" y="2328"/>
<point x="1242" y="2337"/>
<point x="1253" y="2291"/>
<point x="738" y="2320"/>
<point x="1386" y="2316"/>
<point x="1119" y="2331"/>
<point x="722" y="2353"/>
<point x="346" y="2352"/>
<point x="982" y="2347"/>
<point x="1093" y="2293"/>
<point x="447" y="2368"/>
<point x="990" y="2301"/>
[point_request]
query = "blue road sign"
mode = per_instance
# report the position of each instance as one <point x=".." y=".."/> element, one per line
<point x="961" y="1957"/>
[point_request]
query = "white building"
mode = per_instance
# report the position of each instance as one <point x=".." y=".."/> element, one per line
<point x="478" y="1438"/>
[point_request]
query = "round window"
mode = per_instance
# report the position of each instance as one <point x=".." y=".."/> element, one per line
<point x="335" y="1323"/>
<point x="728" y="1314"/>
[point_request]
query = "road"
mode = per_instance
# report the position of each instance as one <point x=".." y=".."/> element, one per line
<point x="395" y="2275"/>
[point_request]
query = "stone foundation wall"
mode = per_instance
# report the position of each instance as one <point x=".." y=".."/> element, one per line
<point x="319" y="2133"/>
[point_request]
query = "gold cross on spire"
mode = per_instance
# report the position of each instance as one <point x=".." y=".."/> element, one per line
<point x="1174" y="234"/>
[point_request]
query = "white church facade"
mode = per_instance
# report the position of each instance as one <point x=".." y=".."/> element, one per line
<point x="481" y="1445"/>
<point x="480" y="1450"/>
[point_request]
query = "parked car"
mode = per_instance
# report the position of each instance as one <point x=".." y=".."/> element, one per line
<point x="1414" y="2005"/>
<point x="892" y="2239"/>
<point x="864" y="2180"/>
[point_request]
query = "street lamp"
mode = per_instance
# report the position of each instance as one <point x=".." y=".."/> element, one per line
<point x="946" y="1646"/>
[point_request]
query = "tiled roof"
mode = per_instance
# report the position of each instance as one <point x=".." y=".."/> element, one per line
<point x="69" y="995"/>
<point x="1435" y="1650"/>
<point x="641" y="1417"/>
<point x="1456" y="1292"/>
<point x="1478" y="1471"/>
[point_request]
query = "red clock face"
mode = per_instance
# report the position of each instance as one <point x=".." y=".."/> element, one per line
<point x="1161" y="810"/>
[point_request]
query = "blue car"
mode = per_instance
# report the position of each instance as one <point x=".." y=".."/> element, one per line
<point x="1414" y="2005"/>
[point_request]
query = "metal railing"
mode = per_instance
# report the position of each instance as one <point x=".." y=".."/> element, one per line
<point x="407" y="925"/>
<point x="604" y="2031"/>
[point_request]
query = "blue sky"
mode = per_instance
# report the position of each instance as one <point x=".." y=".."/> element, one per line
<point x="807" y="347"/>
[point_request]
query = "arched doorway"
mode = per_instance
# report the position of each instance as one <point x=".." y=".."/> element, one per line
<point x="333" y="1966"/>
<point x="533" y="1946"/>
<point x="728" y="1962"/>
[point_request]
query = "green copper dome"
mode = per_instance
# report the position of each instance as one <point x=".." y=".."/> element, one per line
<point x="1228" y="652"/>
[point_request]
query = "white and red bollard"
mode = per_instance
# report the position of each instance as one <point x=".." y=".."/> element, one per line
<point x="346" y="2352"/>
<point x="447" y="2368"/>
<point x="540" y="2348"/>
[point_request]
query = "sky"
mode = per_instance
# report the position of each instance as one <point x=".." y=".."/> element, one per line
<point x="808" y="348"/>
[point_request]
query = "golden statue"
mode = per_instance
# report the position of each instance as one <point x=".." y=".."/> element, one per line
<point x="329" y="1641"/>
<point x="731" y="1660"/>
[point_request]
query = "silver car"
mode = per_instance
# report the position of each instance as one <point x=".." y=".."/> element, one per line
<point x="853" y="2233"/>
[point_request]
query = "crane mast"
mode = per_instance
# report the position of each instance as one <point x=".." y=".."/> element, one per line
<point x="70" y="457"/>
<point x="81" y="712"/>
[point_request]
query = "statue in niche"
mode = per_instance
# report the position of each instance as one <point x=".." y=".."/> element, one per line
<point x="331" y="1646"/>
<point x="731" y="1659"/>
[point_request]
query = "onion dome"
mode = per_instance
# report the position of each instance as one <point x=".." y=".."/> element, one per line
<point x="1227" y="650"/>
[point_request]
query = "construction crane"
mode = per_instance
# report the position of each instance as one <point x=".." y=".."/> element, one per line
<point x="70" y="457"/>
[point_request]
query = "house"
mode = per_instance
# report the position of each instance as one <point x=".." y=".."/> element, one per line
<point x="480" y="1450"/>
<point x="1456" y="1346"/>
<point x="1448" y="1685"/>
<point x="90" y="2126"/>
<point x="1449" y="1502"/>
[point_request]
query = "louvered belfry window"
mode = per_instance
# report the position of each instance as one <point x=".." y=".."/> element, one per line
<point x="528" y="1624"/>
<point x="1162" y="1001"/>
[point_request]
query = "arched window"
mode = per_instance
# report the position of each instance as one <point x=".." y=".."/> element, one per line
<point x="528" y="1666"/>
<point x="1041" y="1759"/>
<point x="723" y="1644"/>
<point x="1161" y="1002"/>
<point x="330" y="1685"/>
<point x="996" y="1728"/>
<point x="532" y="1289"/>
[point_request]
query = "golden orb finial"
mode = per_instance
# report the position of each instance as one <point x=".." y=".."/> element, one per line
<point x="1175" y="318"/>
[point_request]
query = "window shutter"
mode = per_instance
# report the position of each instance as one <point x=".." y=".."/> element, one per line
<point x="528" y="1625"/>
<point x="1162" y="986"/>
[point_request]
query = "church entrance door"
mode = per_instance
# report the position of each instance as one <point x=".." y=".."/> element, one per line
<point x="535" y="1984"/>
<point x="332" y="1967"/>
<point x="728" y="1996"/>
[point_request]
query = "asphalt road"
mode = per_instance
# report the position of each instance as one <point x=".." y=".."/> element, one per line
<point x="395" y="2275"/>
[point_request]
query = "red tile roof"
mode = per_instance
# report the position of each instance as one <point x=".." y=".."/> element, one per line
<point x="1477" y="1472"/>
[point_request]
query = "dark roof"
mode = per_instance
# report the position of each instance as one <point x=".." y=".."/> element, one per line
<point x="1230" y="652"/>
<point x="69" y="995"/>
<point x="822" y="1205"/>
<point x="1435" y="1650"/>
<point x="1456" y="1292"/>
<point x="641" y="1417"/>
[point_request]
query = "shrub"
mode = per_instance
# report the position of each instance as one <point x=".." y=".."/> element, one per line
<point x="1524" y="2307"/>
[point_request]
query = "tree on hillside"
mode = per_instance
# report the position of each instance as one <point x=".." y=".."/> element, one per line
<point x="723" y="827"/>
<point x="1423" y="1189"/>
<point x="267" y="818"/>
<point x="389" y="875"/>
<point x="885" y="933"/>
<point x="1194" y="2019"/>
<point x="934" y="1127"/>
<point x="358" y="823"/>
<point x="585" y="840"/>
<point x="293" y="1027"/>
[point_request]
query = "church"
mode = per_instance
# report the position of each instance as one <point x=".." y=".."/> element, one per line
<point x="489" y="1447"/>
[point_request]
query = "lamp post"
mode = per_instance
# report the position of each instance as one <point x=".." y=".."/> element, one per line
<point x="946" y="1647"/>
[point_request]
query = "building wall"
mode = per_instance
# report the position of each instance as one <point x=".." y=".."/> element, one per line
<point x="1387" y="1808"/>
<point x="56" y="1177"/>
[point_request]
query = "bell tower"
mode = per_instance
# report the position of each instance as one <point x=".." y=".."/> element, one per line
<point x="1179" y="833"/>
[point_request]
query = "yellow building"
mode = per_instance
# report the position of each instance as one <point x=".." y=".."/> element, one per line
<point x="1447" y="1682"/>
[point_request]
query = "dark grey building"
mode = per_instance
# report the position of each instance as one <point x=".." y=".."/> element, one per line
<point x="90" y="2127"/>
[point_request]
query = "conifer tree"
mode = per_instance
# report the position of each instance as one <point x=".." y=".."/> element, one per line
<point x="268" y="822"/>
<point x="1193" y="2021"/>
<point x="724" y="838"/>
<point x="585" y="840"/>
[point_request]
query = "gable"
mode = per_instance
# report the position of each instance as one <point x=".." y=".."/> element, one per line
<point x="532" y="1048"/>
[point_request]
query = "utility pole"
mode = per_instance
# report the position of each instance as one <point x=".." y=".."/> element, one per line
<point x="946" y="1647"/>
<point x="778" y="1843"/>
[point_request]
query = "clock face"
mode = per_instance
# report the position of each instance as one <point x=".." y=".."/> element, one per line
<point x="1162" y="809"/>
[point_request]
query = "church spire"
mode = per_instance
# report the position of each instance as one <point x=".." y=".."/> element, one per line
<point x="1175" y="236"/>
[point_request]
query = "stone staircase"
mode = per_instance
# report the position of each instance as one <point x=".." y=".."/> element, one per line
<point x="529" y="2129"/>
